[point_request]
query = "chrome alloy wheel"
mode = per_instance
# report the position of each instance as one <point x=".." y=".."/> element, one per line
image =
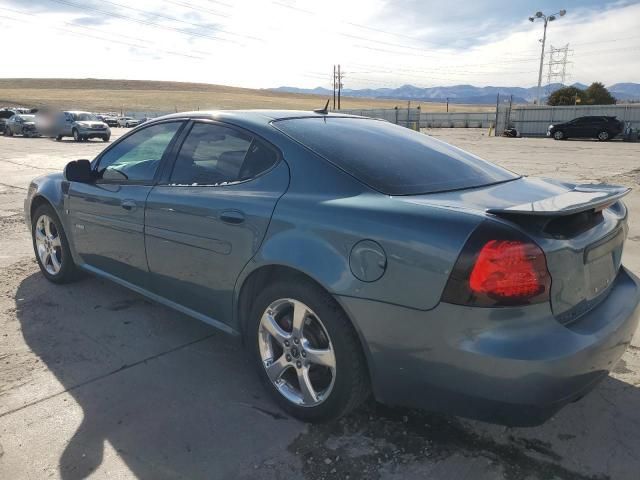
<point x="296" y="352"/>
<point x="48" y="244"/>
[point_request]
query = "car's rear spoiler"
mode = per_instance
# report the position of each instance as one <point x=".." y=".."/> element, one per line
<point x="580" y="199"/>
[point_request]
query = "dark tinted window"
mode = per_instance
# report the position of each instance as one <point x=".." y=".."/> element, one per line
<point x="214" y="154"/>
<point x="137" y="157"/>
<point x="392" y="159"/>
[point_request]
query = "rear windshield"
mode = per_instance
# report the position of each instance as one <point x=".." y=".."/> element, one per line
<point x="392" y="159"/>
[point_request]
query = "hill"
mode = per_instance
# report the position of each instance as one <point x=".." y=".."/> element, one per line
<point x="465" y="94"/>
<point x="155" y="96"/>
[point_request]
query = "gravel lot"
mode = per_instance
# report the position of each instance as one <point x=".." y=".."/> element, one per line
<point x="96" y="380"/>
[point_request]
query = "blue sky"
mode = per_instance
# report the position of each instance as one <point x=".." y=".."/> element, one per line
<point x="267" y="43"/>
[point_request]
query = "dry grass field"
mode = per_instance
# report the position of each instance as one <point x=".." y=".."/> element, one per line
<point x="142" y="96"/>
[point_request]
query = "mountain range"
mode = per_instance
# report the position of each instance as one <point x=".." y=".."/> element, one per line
<point x="467" y="94"/>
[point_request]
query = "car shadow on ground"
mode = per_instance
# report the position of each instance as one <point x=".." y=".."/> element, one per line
<point x="176" y="398"/>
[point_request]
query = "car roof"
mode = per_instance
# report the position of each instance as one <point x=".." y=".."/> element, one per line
<point x="252" y="117"/>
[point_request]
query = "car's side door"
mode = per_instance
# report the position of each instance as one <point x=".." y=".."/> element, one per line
<point x="17" y="125"/>
<point x="67" y="124"/>
<point x="206" y="221"/>
<point x="106" y="216"/>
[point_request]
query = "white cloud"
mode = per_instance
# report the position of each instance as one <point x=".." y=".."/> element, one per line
<point x="267" y="43"/>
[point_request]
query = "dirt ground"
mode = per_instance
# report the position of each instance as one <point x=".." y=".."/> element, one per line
<point x="152" y="96"/>
<point x="97" y="381"/>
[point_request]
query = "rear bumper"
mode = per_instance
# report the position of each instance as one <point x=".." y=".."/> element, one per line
<point x="514" y="366"/>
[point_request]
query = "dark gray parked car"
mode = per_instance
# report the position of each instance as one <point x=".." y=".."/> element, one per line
<point x="601" y="127"/>
<point x="355" y="256"/>
<point x="21" y="124"/>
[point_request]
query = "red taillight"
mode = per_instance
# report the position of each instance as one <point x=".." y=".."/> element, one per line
<point x="508" y="269"/>
<point x="498" y="266"/>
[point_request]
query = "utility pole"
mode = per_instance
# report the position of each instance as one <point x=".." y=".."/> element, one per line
<point x="339" y="85"/>
<point x="546" y="19"/>
<point x="447" y="104"/>
<point x="334" y="87"/>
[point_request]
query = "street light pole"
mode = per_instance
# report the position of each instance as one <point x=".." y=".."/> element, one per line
<point x="544" y="40"/>
<point x="546" y="19"/>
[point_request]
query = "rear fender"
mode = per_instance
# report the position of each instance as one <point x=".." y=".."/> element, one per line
<point x="419" y="247"/>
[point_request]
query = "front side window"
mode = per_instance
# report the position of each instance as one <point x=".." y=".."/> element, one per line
<point x="137" y="157"/>
<point x="214" y="154"/>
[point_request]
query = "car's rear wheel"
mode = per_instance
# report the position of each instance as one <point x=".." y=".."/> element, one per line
<point x="558" y="135"/>
<point x="603" y="136"/>
<point x="58" y="138"/>
<point x="307" y="352"/>
<point x="106" y="138"/>
<point x="8" y="132"/>
<point x="76" y="135"/>
<point x="51" y="246"/>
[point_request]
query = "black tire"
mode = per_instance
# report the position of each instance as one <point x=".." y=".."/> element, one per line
<point x="351" y="385"/>
<point x="76" y="135"/>
<point x="68" y="271"/>
<point x="559" y="135"/>
<point x="603" y="136"/>
<point x="106" y="138"/>
<point x="8" y="132"/>
<point x="58" y="138"/>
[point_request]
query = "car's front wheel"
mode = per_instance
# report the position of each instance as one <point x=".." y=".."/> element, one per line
<point x="307" y="352"/>
<point x="76" y="135"/>
<point x="603" y="136"/>
<point x="106" y="138"/>
<point x="558" y="135"/>
<point x="51" y="246"/>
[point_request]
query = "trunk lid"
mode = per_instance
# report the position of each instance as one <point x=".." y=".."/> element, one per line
<point x="580" y="228"/>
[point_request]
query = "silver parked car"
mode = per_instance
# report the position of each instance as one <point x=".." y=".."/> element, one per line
<point x="79" y="125"/>
<point x="128" y="122"/>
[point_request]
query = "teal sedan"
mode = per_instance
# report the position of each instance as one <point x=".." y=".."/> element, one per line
<point x="355" y="258"/>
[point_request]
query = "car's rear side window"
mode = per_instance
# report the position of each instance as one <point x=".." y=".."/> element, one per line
<point x="392" y="159"/>
<point x="215" y="154"/>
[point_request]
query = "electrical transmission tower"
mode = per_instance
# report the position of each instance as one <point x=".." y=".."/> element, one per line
<point x="557" y="66"/>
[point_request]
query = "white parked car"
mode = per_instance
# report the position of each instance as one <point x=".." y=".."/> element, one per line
<point x="127" y="122"/>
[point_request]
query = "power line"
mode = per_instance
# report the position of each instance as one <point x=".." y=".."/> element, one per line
<point x="198" y="8"/>
<point x="108" y="39"/>
<point x="174" y="19"/>
<point x="144" y="22"/>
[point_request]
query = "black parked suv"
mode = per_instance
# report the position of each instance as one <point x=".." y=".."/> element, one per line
<point x="600" y="127"/>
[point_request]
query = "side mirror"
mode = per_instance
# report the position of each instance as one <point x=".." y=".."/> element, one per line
<point x="79" y="171"/>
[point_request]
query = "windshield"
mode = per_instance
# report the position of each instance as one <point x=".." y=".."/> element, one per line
<point x="392" y="159"/>
<point x="84" y="117"/>
<point x="28" y="118"/>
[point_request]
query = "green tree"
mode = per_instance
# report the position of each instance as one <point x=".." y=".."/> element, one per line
<point x="597" y="94"/>
<point x="567" y="96"/>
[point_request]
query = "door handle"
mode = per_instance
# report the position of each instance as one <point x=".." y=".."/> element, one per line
<point x="128" y="205"/>
<point x="232" y="216"/>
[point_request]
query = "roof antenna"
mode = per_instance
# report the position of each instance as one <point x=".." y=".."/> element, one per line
<point x="324" y="110"/>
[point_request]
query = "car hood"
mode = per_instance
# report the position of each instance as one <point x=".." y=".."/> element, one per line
<point x="91" y="124"/>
